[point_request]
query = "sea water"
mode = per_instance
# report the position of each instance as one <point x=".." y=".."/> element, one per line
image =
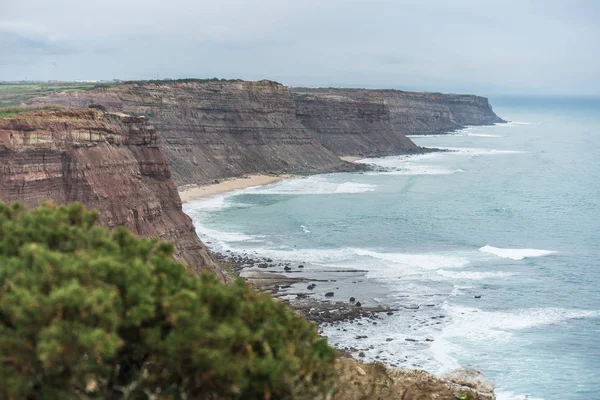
<point x="492" y="250"/>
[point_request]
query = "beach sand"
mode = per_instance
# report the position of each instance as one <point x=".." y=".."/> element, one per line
<point x="193" y="192"/>
<point x="351" y="158"/>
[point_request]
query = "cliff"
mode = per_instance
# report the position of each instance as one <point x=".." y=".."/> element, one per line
<point x="352" y="126"/>
<point x="217" y="129"/>
<point x="415" y="113"/>
<point x="108" y="162"/>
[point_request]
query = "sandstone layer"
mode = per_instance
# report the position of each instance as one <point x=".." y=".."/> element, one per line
<point x="417" y="113"/>
<point x="217" y="129"/>
<point x="108" y="162"/>
<point x="352" y="126"/>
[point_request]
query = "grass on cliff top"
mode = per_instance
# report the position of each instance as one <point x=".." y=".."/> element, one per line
<point x="13" y="110"/>
<point x="183" y="80"/>
<point x="15" y="94"/>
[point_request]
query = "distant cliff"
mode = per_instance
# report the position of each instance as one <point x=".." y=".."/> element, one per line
<point x="352" y="125"/>
<point x="416" y="113"/>
<point x="108" y="162"/>
<point x="215" y="129"/>
<point x="211" y="129"/>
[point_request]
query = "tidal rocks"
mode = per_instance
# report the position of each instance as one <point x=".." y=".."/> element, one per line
<point x="469" y="379"/>
<point x="329" y="294"/>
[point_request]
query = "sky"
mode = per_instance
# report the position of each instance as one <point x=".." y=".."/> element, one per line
<point x="463" y="46"/>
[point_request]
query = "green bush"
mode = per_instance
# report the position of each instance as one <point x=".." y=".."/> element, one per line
<point x="87" y="313"/>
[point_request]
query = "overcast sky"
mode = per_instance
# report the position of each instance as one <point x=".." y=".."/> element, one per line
<point x="478" y="46"/>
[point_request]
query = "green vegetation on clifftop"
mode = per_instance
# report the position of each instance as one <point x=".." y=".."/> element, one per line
<point x="87" y="313"/>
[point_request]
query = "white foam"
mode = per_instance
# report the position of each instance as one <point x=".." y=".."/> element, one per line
<point x="222" y="240"/>
<point x="481" y="151"/>
<point x="516" y="254"/>
<point x="209" y="204"/>
<point x="476" y="275"/>
<point x="305" y="229"/>
<point x="475" y="324"/>
<point x="313" y="185"/>
<point x="421" y="261"/>
<point x="415" y="169"/>
<point x="501" y="395"/>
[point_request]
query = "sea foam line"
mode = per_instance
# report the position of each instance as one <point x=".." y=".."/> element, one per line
<point x="516" y="254"/>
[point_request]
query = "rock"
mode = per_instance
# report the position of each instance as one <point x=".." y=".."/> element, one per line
<point x="329" y="294"/>
<point x="411" y="340"/>
<point x="469" y="378"/>
<point x="389" y="339"/>
<point x="287" y="269"/>
<point x="300" y="266"/>
<point x="352" y="299"/>
<point x="478" y="296"/>
<point x="358" y="304"/>
<point x="361" y="371"/>
<point x="311" y="286"/>
<point x="361" y="354"/>
<point x="112" y="163"/>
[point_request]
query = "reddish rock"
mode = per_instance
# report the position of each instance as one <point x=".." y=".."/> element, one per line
<point x="215" y="129"/>
<point x="109" y="162"/>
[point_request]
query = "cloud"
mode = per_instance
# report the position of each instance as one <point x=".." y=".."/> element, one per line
<point x="22" y="42"/>
<point x="507" y="46"/>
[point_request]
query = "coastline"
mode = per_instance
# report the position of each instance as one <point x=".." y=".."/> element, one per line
<point x="195" y="192"/>
<point x="350" y="159"/>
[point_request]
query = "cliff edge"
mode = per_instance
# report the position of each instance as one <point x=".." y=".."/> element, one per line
<point x="217" y="129"/>
<point x="109" y="162"/>
<point x="418" y="113"/>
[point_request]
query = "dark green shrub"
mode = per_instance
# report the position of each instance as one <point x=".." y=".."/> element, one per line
<point x="90" y="313"/>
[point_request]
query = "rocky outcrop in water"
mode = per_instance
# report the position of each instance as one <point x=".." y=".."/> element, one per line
<point x="108" y="162"/>
<point x="216" y="129"/>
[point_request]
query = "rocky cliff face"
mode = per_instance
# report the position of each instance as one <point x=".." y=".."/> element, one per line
<point x="414" y="113"/>
<point x="108" y="162"/>
<point x="352" y="126"/>
<point x="215" y="129"/>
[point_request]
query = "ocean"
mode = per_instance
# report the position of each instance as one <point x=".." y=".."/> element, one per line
<point x="491" y="250"/>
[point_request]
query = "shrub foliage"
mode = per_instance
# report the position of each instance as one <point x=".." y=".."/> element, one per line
<point x="87" y="313"/>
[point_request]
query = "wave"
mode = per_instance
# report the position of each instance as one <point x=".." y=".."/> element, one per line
<point x="313" y="185"/>
<point x="501" y="395"/>
<point x="223" y="240"/>
<point x="476" y="324"/>
<point x="516" y="254"/>
<point x="482" y="151"/>
<point x="422" y="261"/>
<point x="475" y="275"/>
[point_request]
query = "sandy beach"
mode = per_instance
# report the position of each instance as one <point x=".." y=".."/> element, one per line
<point x="351" y="158"/>
<point x="190" y="193"/>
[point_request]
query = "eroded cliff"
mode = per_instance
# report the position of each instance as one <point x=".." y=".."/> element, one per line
<point x="416" y="113"/>
<point x="108" y="162"/>
<point x="215" y="129"/>
<point x="352" y="126"/>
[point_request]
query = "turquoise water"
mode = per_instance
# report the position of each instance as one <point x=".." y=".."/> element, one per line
<point x="513" y="216"/>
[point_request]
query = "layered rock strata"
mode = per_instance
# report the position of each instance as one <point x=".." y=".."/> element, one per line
<point x="216" y="129"/>
<point x="352" y="126"/>
<point x="108" y="162"/>
<point x="417" y="113"/>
